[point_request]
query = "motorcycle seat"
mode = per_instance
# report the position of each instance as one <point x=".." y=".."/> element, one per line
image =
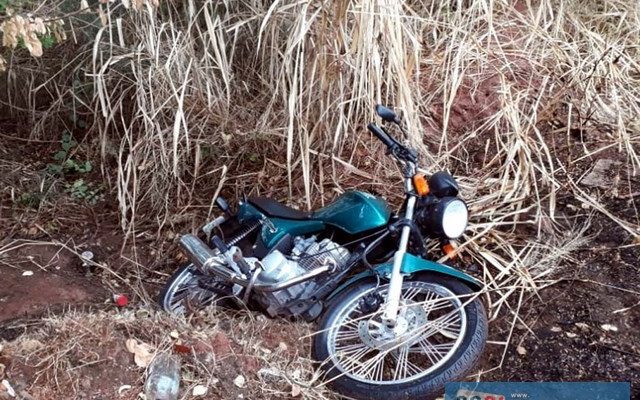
<point x="276" y="209"/>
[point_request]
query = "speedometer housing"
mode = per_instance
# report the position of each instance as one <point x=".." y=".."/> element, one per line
<point x="442" y="184"/>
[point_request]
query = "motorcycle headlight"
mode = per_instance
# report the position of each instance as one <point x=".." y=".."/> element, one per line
<point x="449" y="217"/>
<point x="454" y="218"/>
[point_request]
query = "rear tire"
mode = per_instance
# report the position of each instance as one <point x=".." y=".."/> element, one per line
<point x="427" y="384"/>
<point x="185" y="292"/>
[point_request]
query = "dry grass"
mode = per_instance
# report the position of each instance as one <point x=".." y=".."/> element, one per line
<point x="516" y="99"/>
<point x="85" y="352"/>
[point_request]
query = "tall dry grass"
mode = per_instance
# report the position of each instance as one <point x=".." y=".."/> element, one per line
<point x="512" y="97"/>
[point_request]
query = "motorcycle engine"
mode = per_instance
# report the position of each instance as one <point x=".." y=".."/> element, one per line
<point x="306" y="255"/>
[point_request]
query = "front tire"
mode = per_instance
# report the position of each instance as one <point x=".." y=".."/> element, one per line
<point x="438" y="339"/>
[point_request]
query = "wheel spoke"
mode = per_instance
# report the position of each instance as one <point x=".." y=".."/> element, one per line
<point x="347" y="335"/>
<point x="352" y="357"/>
<point x="411" y="293"/>
<point x="425" y="346"/>
<point x="374" y="366"/>
<point x="434" y="352"/>
<point x="403" y="364"/>
<point x="350" y="347"/>
<point x="435" y="305"/>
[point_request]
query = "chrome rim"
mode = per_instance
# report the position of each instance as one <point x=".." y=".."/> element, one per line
<point x="185" y="293"/>
<point x="430" y="328"/>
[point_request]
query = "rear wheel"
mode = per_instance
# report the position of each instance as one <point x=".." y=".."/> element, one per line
<point x="440" y="333"/>
<point x="189" y="290"/>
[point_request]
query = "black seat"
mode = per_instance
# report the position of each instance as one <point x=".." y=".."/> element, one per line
<point x="277" y="210"/>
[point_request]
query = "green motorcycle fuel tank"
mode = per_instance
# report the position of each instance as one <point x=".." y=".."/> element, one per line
<point x="353" y="212"/>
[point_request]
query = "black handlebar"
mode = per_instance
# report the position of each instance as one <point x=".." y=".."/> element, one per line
<point x="382" y="135"/>
<point x="399" y="151"/>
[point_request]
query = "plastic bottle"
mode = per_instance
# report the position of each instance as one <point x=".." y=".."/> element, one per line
<point x="163" y="378"/>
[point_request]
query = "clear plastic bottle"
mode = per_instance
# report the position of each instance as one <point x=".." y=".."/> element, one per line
<point x="163" y="378"/>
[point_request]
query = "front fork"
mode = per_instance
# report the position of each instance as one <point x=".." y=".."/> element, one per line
<point x="390" y="314"/>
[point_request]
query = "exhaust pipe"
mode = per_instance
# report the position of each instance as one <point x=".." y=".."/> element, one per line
<point x="207" y="261"/>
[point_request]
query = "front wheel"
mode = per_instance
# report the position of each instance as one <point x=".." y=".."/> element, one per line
<point x="439" y="335"/>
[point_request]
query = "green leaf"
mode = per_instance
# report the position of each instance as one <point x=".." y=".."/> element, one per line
<point x="61" y="155"/>
<point x="54" y="169"/>
<point x="66" y="146"/>
<point x="70" y="165"/>
<point x="47" y="41"/>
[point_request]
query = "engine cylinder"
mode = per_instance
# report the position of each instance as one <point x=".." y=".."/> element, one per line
<point x="276" y="268"/>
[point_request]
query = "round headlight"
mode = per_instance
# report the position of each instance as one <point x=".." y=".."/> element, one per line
<point x="454" y="217"/>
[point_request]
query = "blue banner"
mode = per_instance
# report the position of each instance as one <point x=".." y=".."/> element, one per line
<point x="538" y="391"/>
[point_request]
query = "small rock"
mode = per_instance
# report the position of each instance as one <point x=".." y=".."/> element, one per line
<point x="521" y="350"/>
<point x="87" y="258"/>
<point x="9" y="389"/>
<point x="199" y="390"/>
<point x="174" y="334"/>
<point x="123" y="388"/>
<point x="27" y="273"/>
<point x="295" y="390"/>
<point x="240" y="381"/>
<point x="601" y="174"/>
<point x="556" y="329"/>
<point x="282" y="346"/>
<point x="582" y="326"/>
<point x="571" y="334"/>
<point x="609" y="328"/>
<point x="269" y="374"/>
<point x="86" y="383"/>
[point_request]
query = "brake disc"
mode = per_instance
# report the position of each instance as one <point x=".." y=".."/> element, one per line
<point x="378" y="335"/>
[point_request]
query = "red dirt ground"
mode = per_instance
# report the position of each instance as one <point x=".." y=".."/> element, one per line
<point x="52" y="283"/>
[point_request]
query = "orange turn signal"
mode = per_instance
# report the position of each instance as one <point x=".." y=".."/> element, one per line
<point x="449" y="250"/>
<point x="421" y="184"/>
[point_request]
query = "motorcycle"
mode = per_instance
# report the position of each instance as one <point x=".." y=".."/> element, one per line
<point x="391" y="324"/>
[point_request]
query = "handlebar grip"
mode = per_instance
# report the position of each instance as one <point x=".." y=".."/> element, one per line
<point x="380" y="134"/>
